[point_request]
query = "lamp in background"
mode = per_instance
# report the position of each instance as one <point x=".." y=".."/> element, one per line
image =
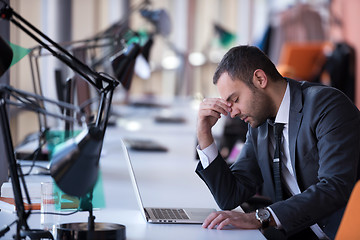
<point x="147" y="48"/>
<point x="142" y="64"/>
<point x="218" y="44"/>
<point x="225" y="36"/>
<point x="123" y="64"/>
<point x="137" y="54"/>
<point x="176" y="61"/>
<point x="160" y="19"/>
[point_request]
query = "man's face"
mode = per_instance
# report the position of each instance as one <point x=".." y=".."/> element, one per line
<point x="252" y="105"/>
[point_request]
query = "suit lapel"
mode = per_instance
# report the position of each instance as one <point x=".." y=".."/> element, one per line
<point x="295" y="117"/>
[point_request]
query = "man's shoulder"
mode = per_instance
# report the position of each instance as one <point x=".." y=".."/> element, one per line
<point x="318" y="93"/>
<point x="313" y="88"/>
<point x="319" y="100"/>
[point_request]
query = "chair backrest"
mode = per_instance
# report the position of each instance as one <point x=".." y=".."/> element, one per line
<point x="301" y="61"/>
<point x="349" y="227"/>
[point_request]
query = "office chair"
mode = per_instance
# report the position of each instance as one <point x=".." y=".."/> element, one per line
<point x="349" y="226"/>
<point x="302" y="61"/>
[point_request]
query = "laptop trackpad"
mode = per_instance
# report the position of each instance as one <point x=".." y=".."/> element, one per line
<point x="199" y="214"/>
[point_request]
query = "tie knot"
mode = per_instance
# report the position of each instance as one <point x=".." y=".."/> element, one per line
<point x="278" y="128"/>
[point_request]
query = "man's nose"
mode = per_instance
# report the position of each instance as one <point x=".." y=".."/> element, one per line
<point x="234" y="112"/>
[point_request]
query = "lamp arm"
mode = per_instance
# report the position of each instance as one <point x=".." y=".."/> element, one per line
<point x="25" y="101"/>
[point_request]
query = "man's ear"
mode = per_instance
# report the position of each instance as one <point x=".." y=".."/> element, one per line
<point x="260" y="79"/>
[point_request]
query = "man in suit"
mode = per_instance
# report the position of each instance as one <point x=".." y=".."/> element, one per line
<point x="319" y="149"/>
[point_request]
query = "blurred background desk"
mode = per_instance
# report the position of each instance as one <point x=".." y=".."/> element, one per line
<point x="165" y="179"/>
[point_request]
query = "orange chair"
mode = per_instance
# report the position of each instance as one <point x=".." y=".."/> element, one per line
<point x="349" y="228"/>
<point x="302" y="61"/>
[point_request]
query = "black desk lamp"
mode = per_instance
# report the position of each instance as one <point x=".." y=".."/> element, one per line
<point x="88" y="144"/>
<point x="25" y="101"/>
<point x="75" y="161"/>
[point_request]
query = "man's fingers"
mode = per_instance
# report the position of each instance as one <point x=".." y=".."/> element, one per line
<point x="216" y="104"/>
<point x="209" y="219"/>
<point x="224" y="223"/>
<point x="219" y="219"/>
<point x="236" y="219"/>
<point x="211" y="113"/>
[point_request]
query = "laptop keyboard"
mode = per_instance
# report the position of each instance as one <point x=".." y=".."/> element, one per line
<point x="164" y="213"/>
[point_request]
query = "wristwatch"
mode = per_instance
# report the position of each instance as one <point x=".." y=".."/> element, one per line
<point x="263" y="215"/>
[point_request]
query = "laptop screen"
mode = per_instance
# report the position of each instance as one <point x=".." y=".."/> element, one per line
<point x="133" y="180"/>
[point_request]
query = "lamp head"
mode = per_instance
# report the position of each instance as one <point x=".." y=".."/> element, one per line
<point x="145" y="50"/>
<point x="226" y="37"/>
<point x="75" y="163"/>
<point x="142" y="66"/>
<point x="160" y="19"/>
<point x="123" y="64"/>
<point x="6" y="56"/>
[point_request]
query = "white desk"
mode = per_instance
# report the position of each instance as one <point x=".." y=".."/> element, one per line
<point x="165" y="180"/>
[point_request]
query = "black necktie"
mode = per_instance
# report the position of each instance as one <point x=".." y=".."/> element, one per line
<point x="278" y="129"/>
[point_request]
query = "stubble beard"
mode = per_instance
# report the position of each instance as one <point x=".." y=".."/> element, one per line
<point x="262" y="106"/>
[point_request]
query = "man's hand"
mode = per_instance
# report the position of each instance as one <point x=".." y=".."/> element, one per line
<point x="241" y="220"/>
<point x="209" y="113"/>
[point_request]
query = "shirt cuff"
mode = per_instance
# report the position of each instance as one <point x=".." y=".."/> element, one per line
<point x="278" y="223"/>
<point x="207" y="155"/>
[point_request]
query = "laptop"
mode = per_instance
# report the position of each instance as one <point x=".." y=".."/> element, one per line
<point x="165" y="215"/>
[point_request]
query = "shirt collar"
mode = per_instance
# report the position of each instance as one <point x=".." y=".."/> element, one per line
<point x="282" y="115"/>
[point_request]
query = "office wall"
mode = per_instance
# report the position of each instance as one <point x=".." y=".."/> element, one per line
<point x="20" y="74"/>
<point x="347" y="12"/>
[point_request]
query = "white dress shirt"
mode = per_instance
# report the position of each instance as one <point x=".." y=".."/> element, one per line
<point x="208" y="154"/>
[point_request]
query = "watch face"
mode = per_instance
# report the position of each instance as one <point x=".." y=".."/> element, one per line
<point x="262" y="214"/>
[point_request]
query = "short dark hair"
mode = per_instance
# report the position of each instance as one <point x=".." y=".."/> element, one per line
<point x="240" y="63"/>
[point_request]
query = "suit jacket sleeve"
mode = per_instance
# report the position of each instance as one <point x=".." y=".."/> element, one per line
<point x="232" y="186"/>
<point x="326" y="161"/>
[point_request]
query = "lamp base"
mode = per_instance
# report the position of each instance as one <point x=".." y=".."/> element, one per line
<point x="101" y="231"/>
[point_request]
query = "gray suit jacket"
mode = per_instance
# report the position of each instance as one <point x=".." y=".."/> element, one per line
<point x="324" y="142"/>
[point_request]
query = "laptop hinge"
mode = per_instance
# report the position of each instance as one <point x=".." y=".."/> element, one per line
<point x="147" y="214"/>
